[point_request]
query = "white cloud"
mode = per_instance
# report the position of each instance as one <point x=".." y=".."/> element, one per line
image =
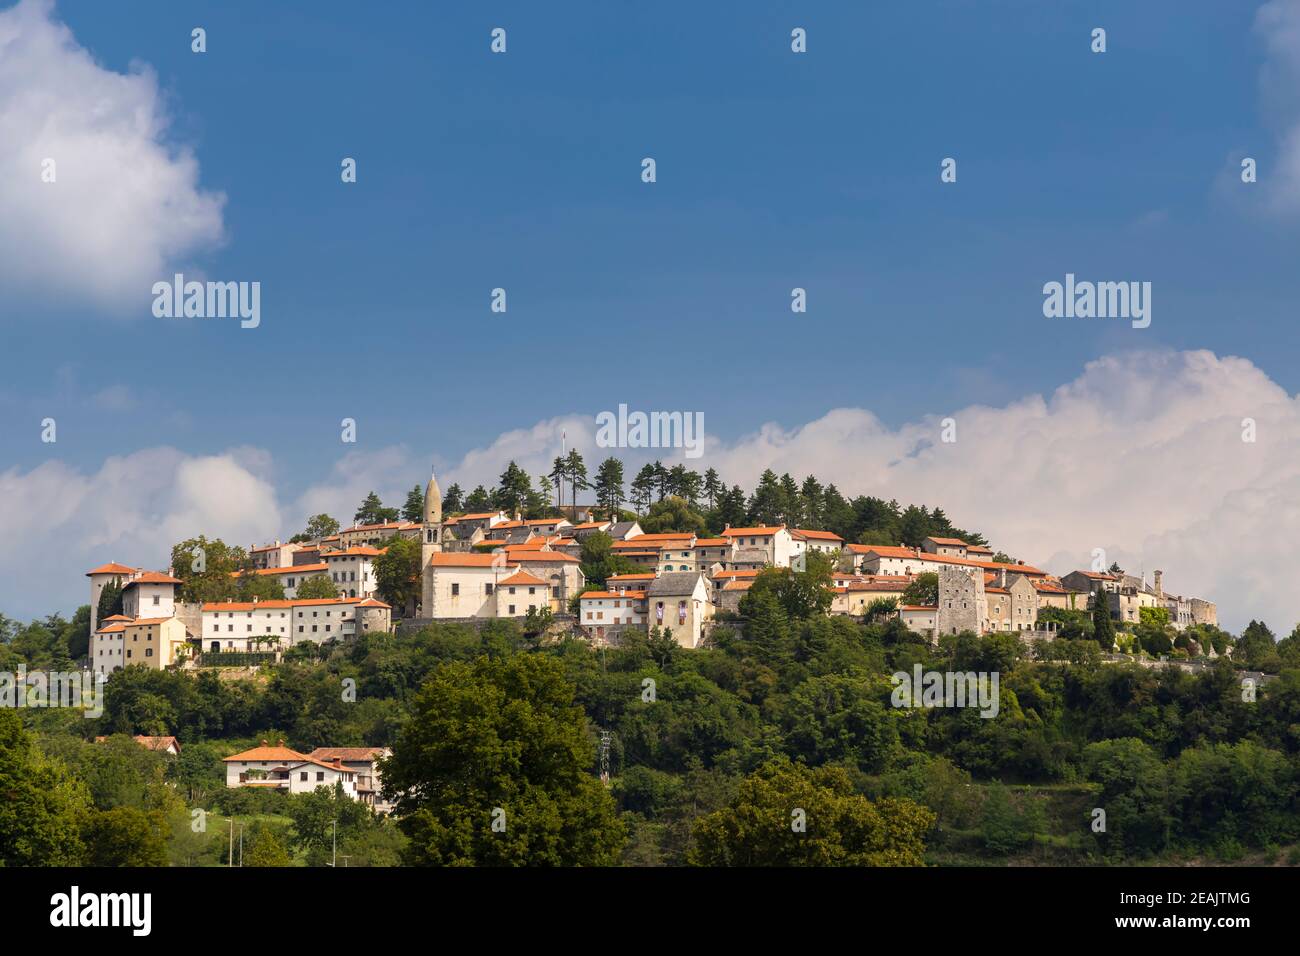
<point x="125" y="205"/>
<point x="59" y="523"/>
<point x="1142" y="455"/>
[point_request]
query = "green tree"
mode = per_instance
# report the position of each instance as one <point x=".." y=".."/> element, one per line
<point x="786" y="814"/>
<point x="43" y="805"/>
<point x="320" y="526"/>
<point x="609" y="487"/>
<point x="923" y="591"/>
<point x="453" y="500"/>
<point x="110" y="601"/>
<point x="713" y="487"/>
<point x="575" y="469"/>
<point x="1103" y="628"/>
<point x="372" y="511"/>
<point x="673" y="514"/>
<point x="514" y="490"/>
<point x="397" y="574"/>
<point x="643" y="488"/>
<point x="125" y="836"/>
<point x="413" y="509"/>
<point x="207" y="569"/>
<point x="317" y="587"/>
<point x="263" y="848"/>
<point x="495" y="768"/>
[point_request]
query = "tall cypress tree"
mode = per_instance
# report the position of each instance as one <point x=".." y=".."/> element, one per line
<point x="1103" y="629"/>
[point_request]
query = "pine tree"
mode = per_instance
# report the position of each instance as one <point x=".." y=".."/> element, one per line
<point x="713" y="487"/>
<point x="609" y="486"/>
<point x="413" y="510"/>
<point x="575" y="469"/>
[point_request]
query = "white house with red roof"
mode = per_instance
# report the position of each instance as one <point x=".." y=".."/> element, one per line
<point x="280" y="768"/>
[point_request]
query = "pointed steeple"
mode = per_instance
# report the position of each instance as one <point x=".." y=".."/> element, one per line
<point x="432" y="501"/>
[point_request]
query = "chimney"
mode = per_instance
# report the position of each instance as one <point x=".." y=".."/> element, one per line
<point x="1160" y="589"/>
<point x="727" y="526"/>
<point x="265" y="743"/>
<point x="1002" y="577"/>
<point x="281" y="743"/>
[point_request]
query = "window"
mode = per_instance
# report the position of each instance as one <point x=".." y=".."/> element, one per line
<point x="487" y="588"/>
<point x="303" y="775"/>
<point x="155" y="600"/>
<point x="512" y="609"/>
<point x="320" y="775"/>
<point x="455" y="589"/>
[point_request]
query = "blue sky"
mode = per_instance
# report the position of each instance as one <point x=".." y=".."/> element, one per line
<point x="775" y="170"/>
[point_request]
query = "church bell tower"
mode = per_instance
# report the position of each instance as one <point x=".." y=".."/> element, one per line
<point x="430" y="542"/>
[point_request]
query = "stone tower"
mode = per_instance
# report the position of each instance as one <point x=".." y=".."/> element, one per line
<point x="430" y="541"/>
<point x="963" y="605"/>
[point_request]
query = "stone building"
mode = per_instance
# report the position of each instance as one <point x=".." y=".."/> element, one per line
<point x="963" y="605"/>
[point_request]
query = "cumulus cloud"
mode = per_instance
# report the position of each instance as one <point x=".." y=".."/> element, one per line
<point x="59" y="522"/>
<point x="1141" y="454"/>
<point x="124" y="205"/>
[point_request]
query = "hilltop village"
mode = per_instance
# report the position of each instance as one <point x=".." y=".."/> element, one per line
<point x="491" y="564"/>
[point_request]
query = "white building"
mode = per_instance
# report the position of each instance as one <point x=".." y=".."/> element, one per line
<point x="279" y="768"/>
<point x="258" y="625"/>
<point x="353" y="570"/>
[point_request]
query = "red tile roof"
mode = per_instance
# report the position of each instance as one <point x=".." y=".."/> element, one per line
<point x="153" y="577"/>
<point x="111" y="568"/>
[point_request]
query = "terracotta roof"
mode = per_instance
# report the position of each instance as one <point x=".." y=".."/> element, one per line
<point x="751" y="573"/>
<point x="918" y="607"/>
<point x="273" y="547"/>
<point x="476" y="516"/>
<point x="759" y="531"/>
<point x="884" y="550"/>
<point x="710" y="542"/>
<point x="374" y="602"/>
<point x="291" y="569"/>
<point x="630" y="577"/>
<point x="638" y="595"/>
<point x="536" y="555"/>
<point x="953" y="541"/>
<point x="522" y="577"/>
<point x="276" y="605"/>
<point x="379" y="527"/>
<point x="111" y="568"/>
<point x="152" y="577"/>
<point x="115" y="617"/>
<point x="265" y="753"/>
<point x="821" y="535"/>
<point x="658" y="536"/>
<point x="112" y="628"/>
<point x="738" y="585"/>
<point x="451" y="559"/>
<point x="591" y="524"/>
<point x="347" y="753"/>
<point x="1098" y="576"/>
<point x="157" y="743"/>
<point x="148" y="621"/>
<point x="358" y="550"/>
<point x="978" y="549"/>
